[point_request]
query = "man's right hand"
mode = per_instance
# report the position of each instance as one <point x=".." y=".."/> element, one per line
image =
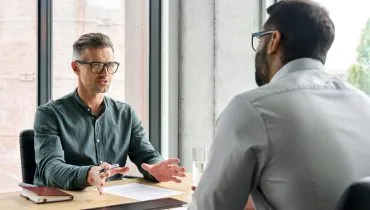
<point x="97" y="178"/>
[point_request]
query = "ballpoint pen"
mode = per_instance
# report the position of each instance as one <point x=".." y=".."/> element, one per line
<point x="116" y="165"/>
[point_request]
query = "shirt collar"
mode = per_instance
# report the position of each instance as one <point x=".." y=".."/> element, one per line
<point x="298" y="65"/>
<point x="77" y="98"/>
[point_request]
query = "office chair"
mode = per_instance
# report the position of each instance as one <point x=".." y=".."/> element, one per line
<point x="356" y="196"/>
<point x="27" y="155"/>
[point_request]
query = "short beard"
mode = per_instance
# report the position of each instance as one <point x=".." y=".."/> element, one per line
<point x="98" y="89"/>
<point x="261" y="67"/>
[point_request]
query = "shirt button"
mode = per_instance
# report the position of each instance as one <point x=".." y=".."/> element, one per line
<point x="98" y="140"/>
<point x="88" y="109"/>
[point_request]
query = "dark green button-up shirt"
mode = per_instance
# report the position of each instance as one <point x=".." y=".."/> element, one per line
<point x="69" y="140"/>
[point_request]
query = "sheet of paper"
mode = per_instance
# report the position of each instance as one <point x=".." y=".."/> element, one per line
<point x="140" y="192"/>
<point x="180" y="208"/>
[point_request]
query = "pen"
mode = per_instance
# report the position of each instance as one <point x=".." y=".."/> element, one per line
<point x="116" y="165"/>
<point x="131" y="177"/>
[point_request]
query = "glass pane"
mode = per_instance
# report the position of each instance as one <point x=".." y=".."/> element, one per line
<point x="349" y="57"/>
<point x="126" y="23"/>
<point x="17" y="86"/>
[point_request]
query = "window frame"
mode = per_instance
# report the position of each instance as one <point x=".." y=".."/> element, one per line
<point x="44" y="51"/>
<point x="44" y="63"/>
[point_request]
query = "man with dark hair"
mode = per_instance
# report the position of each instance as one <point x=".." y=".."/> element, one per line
<point x="80" y="135"/>
<point x="302" y="137"/>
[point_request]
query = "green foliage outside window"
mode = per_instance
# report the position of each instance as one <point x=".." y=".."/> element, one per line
<point x="359" y="73"/>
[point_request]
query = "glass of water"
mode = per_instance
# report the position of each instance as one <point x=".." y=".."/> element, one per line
<point x="200" y="159"/>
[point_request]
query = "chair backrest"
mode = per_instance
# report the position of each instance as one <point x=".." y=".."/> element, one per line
<point x="28" y="163"/>
<point x="356" y="196"/>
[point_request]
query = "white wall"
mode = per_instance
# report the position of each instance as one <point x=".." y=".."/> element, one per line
<point x="235" y="21"/>
<point x="216" y="62"/>
<point x="196" y="80"/>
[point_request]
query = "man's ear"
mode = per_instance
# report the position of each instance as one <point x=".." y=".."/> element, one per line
<point x="75" y="68"/>
<point x="274" y="43"/>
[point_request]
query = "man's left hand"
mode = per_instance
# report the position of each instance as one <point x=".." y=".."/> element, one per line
<point x="167" y="170"/>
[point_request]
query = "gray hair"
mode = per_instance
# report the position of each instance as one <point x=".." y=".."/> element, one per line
<point x="90" y="40"/>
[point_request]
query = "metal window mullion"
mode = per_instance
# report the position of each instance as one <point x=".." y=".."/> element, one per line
<point x="155" y="74"/>
<point x="44" y="51"/>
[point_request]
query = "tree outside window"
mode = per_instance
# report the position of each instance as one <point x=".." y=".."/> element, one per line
<point x="359" y="73"/>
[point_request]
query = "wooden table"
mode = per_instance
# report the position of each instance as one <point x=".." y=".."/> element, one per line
<point x="90" y="198"/>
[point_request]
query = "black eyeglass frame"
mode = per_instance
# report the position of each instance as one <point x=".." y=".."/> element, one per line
<point x="105" y="66"/>
<point x="260" y="34"/>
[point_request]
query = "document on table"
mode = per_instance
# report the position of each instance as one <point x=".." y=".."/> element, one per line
<point x="140" y="192"/>
<point x="179" y="208"/>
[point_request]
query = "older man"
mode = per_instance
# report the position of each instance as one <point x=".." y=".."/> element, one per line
<point x="85" y="131"/>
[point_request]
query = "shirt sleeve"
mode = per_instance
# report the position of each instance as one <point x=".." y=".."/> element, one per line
<point x="237" y="156"/>
<point x="140" y="149"/>
<point x="49" y="155"/>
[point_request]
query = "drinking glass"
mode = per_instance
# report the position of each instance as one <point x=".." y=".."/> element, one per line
<point x="199" y="162"/>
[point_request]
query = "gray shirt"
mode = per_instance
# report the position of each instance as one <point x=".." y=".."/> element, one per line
<point x="69" y="140"/>
<point x="295" y="143"/>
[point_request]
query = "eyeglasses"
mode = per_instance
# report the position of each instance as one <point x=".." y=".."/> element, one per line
<point x="257" y="36"/>
<point x="98" y="67"/>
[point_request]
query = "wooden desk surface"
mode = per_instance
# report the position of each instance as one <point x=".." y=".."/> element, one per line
<point x="90" y="198"/>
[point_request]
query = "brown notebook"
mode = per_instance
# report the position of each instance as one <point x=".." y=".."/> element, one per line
<point x="44" y="194"/>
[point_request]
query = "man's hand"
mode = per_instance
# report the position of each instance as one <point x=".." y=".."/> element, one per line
<point x="166" y="170"/>
<point x="97" y="178"/>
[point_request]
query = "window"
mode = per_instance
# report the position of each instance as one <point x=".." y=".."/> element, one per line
<point x="18" y="84"/>
<point x="126" y="23"/>
<point x="349" y="56"/>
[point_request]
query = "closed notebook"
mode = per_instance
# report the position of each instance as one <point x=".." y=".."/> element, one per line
<point x="44" y="194"/>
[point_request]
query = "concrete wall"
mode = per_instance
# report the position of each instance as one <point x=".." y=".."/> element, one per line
<point x="216" y="62"/>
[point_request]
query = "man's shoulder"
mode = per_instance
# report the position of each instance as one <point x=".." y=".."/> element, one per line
<point x="313" y="80"/>
<point x="56" y="103"/>
<point x="267" y="90"/>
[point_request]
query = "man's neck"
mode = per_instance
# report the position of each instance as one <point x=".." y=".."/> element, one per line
<point x="275" y="66"/>
<point x="94" y="101"/>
